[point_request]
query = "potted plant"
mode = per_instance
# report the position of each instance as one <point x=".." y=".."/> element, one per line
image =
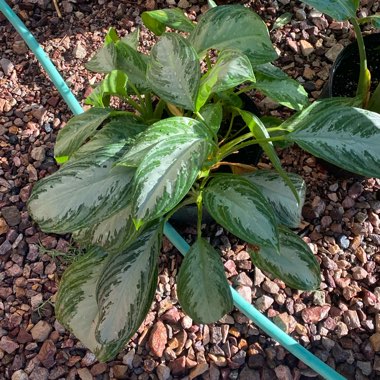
<point x="124" y="173"/>
<point x="356" y="71"/>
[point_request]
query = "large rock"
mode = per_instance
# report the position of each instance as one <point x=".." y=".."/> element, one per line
<point x="41" y="331"/>
<point x="158" y="339"/>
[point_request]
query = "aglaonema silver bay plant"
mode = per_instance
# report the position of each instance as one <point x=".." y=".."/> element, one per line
<point x="125" y="173"/>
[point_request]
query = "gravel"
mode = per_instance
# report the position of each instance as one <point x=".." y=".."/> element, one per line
<point x="340" y="322"/>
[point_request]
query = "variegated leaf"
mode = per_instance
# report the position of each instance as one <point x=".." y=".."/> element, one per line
<point x="76" y="306"/>
<point x="295" y="264"/>
<point x="233" y="27"/>
<point x="238" y="206"/>
<point x="277" y="192"/>
<point x="165" y="129"/>
<point x="77" y="131"/>
<point x="212" y="114"/>
<point x="174" y="71"/>
<point x="346" y="136"/>
<point x="260" y="132"/>
<point x="336" y="9"/>
<point x="126" y="288"/>
<point x="113" y="234"/>
<point x="165" y="175"/>
<point x="122" y="129"/>
<point x="202" y="286"/>
<point x="230" y="70"/>
<point x="82" y="192"/>
<point x="174" y="18"/>
<point x="274" y="83"/>
<point x="104" y="59"/>
<point x="134" y="64"/>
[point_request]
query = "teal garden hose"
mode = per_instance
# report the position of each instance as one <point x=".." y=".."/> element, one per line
<point x="245" y="307"/>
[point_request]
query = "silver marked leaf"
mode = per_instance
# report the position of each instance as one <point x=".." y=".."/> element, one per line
<point x="239" y="206"/>
<point x="134" y="64"/>
<point x="274" y="83"/>
<point x="280" y="196"/>
<point x="295" y="264"/>
<point x="202" y="286"/>
<point x="157" y="21"/>
<point x="212" y="114"/>
<point x="260" y="132"/>
<point x="346" y="136"/>
<point x="76" y="306"/>
<point x="165" y="129"/>
<point x="104" y="59"/>
<point x="82" y="192"/>
<point x="112" y="234"/>
<point x="336" y="9"/>
<point x="77" y="131"/>
<point x="122" y="129"/>
<point x="230" y="70"/>
<point x="174" y="71"/>
<point x="165" y="175"/>
<point x="233" y="27"/>
<point x="126" y="288"/>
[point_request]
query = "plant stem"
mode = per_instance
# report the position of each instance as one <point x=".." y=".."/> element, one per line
<point x="374" y="102"/>
<point x="208" y="62"/>
<point x="199" y="221"/>
<point x="249" y="143"/>
<point x="229" y="129"/>
<point x="364" y="78"/>
<point x="245" y="89"/>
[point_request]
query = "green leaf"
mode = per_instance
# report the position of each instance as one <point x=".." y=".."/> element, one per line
<point x="174" y="18"/>
<point x="282" y="20"/>
<point x="166" y="174"/>
<point x="76" y="307"/>
<point x="126" y="288"/>
<point x="233" y="27"/>
<point x="134" y="64"/>
<point x="115" y="83"/>
<point x="295" y="264"/>
<point x="230" y="70"/>
<point x="161" y="131"/>
<point x="121" y="129"/>
<point x="259" y="131"/>
<point x="83" y="192"/>
<point x="336" y="9"/>
<point x="274" y="83"/>
<point x="132" y="39"/>
<point x="374" y="20"/>
<point x="77" y="131"/>
<point x="104" y="59"/>
<point x="174" y="71"/>
<point x="345" y="136"/>
<point x="203" y="290"/>
<point x="238" y="205"/>
<point x="280" y="196"/>
<point x="111" y="36"/>
<point x="212" y="114"/>
<point x="211" y="4"/>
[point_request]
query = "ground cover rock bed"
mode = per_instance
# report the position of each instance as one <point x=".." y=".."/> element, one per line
<point x="340" y="323"/>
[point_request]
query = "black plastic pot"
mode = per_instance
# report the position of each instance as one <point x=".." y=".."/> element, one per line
<point x="249" y="156"/>
<point x="343" y="81"/>
<point x="344" y="74"/>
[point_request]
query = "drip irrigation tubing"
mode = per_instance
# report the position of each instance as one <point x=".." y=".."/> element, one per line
<point x="245" y="307"/>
